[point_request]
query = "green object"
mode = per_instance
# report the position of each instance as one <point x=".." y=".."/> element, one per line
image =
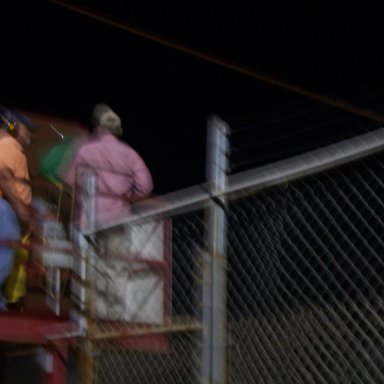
<point x="52" y="161"/>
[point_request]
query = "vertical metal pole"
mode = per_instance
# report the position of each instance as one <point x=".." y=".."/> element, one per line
<point x="90" y="206"/>
<point x="206" y="364"/>
<point x="216" y="299"/>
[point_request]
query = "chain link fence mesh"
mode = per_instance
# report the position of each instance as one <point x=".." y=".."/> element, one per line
<point x="305" y="279"/>
<point x="305" y="266"/>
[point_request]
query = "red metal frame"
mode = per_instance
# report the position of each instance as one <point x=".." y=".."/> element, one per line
<point x="18" y="327"/>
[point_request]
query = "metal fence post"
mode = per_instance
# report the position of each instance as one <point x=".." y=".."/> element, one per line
<point x="215" y="274"/>
<point x="88" y="368"/>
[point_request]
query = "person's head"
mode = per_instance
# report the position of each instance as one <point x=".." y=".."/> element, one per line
<point x="18" y="126"/>
<point x="103" y="117"/>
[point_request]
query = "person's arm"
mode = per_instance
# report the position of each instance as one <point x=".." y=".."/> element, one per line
<point x="7" y="186"/>
<point x="142" y="185"/>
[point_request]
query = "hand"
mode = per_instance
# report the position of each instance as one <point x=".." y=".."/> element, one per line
<point x="27" y="215"/>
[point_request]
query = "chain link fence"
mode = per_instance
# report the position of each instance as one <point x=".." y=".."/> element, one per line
<point x="302" y="277"/>
<point x="305" y="279"/>
<point x="303" y="269"/>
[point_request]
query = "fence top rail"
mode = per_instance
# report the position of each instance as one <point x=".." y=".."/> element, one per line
<point x="184" y="200"/>
<point x="258" y="178"/>
<point x="308" y="163"/>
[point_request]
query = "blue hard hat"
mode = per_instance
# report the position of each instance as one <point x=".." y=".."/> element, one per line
<point x="8" y="116"/>
<point x="18" y="116"/>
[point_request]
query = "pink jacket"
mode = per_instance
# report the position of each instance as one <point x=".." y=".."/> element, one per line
<point x="122" y="176"/>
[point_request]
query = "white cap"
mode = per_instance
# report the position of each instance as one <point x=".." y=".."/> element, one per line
<point x="104" y="117"/>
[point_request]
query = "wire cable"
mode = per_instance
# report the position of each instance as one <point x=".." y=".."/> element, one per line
<point x="253" y="73"/>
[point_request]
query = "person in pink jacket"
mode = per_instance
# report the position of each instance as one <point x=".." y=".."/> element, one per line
<point x="122" y="175"/>
<point x="121" y="178"/>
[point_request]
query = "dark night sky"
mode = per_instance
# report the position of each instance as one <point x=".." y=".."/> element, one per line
<point x="62" y="63"/>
